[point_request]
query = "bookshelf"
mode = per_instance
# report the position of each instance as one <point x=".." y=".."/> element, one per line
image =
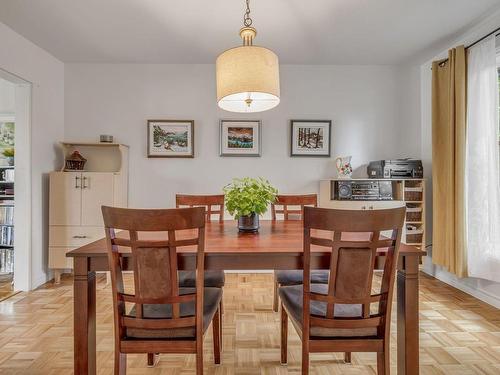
<point x="406" y="192"/>
<point x="6" y="220"/>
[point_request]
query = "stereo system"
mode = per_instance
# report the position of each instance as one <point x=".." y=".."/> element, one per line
<point x="362" y="190"/>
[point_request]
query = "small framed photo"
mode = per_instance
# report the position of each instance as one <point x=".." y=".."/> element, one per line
<point x="310" y="137"/>
<point x="170" y="139"/>
<point x="240" y="138"/>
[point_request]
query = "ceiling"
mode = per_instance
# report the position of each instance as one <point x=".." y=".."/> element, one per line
<point x="195" y="31"/>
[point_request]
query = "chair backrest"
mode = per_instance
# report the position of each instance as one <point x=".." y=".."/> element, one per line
<point x="281" y="206"/>
<point x="150" y="235"/>
<point x="207" y="201"/>
<point x="353" y="236"/>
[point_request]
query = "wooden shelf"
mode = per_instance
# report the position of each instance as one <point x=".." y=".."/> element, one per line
<point x="93" y="144"/>
<point x="101" y="157"/>
<point x="402" y="188"/>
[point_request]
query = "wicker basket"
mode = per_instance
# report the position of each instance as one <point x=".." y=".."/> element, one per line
<point x="414" y="214"/>
<point x="76" y="162"/>
<point x="413" y="194"/>
<point x="414" y="236"/>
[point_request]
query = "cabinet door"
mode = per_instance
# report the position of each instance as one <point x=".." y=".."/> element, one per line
<point x="65" y="198"/>
<point x="97" y="191"/>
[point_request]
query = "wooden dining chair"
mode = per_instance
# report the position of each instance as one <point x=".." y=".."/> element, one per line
<point x="160" y="316"/>
<point x="296" y="212"/>
<point x="213" y="278"/>
<point x="214" y="204"/>
<point x="344" y="315"/>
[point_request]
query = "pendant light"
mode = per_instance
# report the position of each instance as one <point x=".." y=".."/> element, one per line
<point x="248" y="76"/>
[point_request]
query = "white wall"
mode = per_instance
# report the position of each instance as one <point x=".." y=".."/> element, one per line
<point x="7" y="97"/>
<point x="24" y="59"/>
<point x="482" y="289"/>
<point x="365" y="104"/>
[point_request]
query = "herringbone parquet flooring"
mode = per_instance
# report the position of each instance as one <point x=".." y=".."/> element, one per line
<point x="459" y="335"/>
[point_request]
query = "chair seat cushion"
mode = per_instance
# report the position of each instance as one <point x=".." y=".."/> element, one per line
<point x="213" y="279"/>
<point x="211" y="300"/>
<point x="295" y="277"/>
<point x="292" y="300"/>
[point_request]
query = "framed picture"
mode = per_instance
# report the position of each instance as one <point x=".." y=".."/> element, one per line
<point x="310" y="137"/>
<point x="240" y="138"/>
<point x="6" y="131"/>
<point x="170" y="139"/>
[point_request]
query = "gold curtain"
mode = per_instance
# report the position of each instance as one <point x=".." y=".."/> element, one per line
<point x="449" y="112"/>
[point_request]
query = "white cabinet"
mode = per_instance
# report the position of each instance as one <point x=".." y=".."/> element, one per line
<point x="97" y="191"/>
<point x="76" y="197"/>
<point x="65" y="198"/>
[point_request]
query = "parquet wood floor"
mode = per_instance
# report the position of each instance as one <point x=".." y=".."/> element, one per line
<point x="459" y="335"/>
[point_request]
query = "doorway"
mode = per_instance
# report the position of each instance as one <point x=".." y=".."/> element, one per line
<point x="15" y="184"/>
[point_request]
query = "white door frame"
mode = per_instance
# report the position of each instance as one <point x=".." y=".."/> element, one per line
<point x="22" y="182"/>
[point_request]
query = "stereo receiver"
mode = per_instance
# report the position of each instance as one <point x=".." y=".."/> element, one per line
<point x="362" y="190"/>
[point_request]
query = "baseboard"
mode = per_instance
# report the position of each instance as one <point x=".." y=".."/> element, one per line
<point x="449" y="279"/>
<point x="41" y="280"/>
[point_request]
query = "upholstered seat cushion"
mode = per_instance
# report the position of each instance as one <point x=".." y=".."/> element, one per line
<point x="295" y="277"/>
<point x="292" y="300"/>
<point x="213" y="279"/>
<point x="211" y="300"/>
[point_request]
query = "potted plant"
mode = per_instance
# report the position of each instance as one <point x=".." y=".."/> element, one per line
<point x="9" y="155"/>
<point x="247" y="198"/>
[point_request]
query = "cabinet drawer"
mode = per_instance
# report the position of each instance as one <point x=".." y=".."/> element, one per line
<point x="58" y="259"/>
<point x="74" y="236"/>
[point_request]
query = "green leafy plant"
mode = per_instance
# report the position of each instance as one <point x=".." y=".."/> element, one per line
<point x="246" y="196"/>
<point x="8" y="152"/>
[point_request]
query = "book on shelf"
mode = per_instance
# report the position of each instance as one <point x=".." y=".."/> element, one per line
<point x="7" y="236"/>
<point x="6" y="260"/>
<point x="6" y="215"/>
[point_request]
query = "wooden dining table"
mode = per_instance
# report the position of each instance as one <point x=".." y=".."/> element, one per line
<point x="277" y="245"/>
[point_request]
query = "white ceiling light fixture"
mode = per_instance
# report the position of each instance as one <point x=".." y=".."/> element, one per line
<point x="248" y="78"/>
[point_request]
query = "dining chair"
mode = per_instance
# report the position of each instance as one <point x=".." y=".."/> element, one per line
<point x="291" y="207"/>
<point x="344" y="315"/>
<point x="214" y="204"/>
<point x="212" y="278"/>
<point x="160" y="316"/>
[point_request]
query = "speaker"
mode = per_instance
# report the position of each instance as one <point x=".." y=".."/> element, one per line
<point x="385" y="189"/>
<point x="344" y="189"/>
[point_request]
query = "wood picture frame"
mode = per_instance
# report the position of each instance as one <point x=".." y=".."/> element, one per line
<point x="170" y="138"/>
<point x="311" y="138"/>
<point x="240" y="138"/>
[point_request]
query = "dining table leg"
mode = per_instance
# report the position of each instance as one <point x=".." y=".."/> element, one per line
<point x="407" y="318"/>
<point x="84" y="289"/>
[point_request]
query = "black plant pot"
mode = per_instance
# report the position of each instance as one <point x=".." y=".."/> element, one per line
<point x="248" y="223"/>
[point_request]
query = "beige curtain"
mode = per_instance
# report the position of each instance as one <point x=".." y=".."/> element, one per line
<point x="448" y="161"/>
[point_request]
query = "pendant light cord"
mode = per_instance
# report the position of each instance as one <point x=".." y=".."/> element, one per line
<point x="247" y="21"/>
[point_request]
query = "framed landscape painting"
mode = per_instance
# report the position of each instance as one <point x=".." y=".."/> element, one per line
<point x="240" y="138"/>
<point x="170" y="139"/>
<point x="310" y="137"/>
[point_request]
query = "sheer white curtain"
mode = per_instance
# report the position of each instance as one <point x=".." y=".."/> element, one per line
<point x="482" y="163"/>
